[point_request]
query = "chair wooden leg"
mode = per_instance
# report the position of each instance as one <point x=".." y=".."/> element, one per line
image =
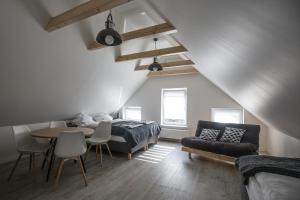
<point x="82" y="170"/>
<point x="15" y="166"/>
<point x="87" y="152"/>
<point x="83" y="164"/>
<point x="59" y="170"/>
<point x="97" y="153"/>
<point x="108" y="150"/>
<point x="100" y="152"/>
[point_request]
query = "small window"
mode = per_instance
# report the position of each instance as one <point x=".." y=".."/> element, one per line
<point x="132" y="113"/>
<point x="173" y="107"/>
<point x="227" y="115"/>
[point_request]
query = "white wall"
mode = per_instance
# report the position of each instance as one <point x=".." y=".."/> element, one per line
<point x="281" y="144"/>
<point x="202" y="95"/>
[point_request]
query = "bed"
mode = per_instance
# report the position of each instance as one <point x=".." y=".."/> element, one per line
<point x="131" y="136"/>
<point x="269" y="186"/>
<point x="126" y="136"/>
<point x="269" y="177"/>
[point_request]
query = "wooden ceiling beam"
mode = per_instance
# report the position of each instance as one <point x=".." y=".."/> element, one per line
<point x="152" y="53"/>
<point x="167" y="64"/>
<point x="189" y="70"/>
<point x="82" y="11"/>
<point x="165" y="28"/>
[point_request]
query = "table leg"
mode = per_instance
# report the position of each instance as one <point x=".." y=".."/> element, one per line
<point x="47" y="154"/>
<point x="51" y="160"/>
<point x="30" y="162"/>
<point x="83" y="164"/>
<point x="33" y="161"/>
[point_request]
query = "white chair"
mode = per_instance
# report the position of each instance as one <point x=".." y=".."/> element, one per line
<point x="70" y="145"/>
<point x="58" y="124"/>
<point x="101" y="136"/>
<point x="26" y="144"/>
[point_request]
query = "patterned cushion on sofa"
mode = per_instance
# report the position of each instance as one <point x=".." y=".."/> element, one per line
<point x="209" y="134"/>
<point x="233" y="135"/>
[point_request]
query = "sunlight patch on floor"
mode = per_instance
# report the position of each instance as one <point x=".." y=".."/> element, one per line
<point x="155" y="154"/>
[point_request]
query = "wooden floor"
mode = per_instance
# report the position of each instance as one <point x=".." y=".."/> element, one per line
<point x="163" y="172"/>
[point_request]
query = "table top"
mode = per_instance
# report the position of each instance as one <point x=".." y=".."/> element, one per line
<point x="54" y="132"/>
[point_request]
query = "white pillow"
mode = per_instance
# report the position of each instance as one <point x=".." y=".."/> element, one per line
<point x="102" y="117"/>
<point x="83" y="120"/>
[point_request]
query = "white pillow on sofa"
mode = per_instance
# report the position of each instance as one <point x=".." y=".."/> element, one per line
<point x="98" y="117"/>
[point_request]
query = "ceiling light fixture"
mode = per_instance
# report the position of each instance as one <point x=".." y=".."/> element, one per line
<point x="155" y="66"/>
<point x="109" y="36"/>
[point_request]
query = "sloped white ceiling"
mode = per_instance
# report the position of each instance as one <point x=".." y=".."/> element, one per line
<point x="51" y="76"/>
<point x="249" y="48"/>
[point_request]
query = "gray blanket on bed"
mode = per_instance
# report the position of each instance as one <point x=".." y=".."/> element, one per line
<point x="135" y="132"/>
<point x="250" y="165"/>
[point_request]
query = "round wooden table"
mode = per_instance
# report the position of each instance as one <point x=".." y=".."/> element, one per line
<point x="54" y="132"/>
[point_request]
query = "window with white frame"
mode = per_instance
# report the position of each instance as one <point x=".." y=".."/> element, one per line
<point x="227" y="115"/>
<point x="174" y="107"/>
<point x="132" y="113"/>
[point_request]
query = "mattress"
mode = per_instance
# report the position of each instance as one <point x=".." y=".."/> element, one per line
<point x="267" y="186"/>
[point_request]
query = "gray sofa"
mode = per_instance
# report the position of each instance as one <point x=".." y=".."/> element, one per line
<point x="248" y="145"/>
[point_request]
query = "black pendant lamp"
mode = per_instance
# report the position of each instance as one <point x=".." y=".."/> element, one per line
<point x="155" y="66"/>
<point x="108" y="36"/>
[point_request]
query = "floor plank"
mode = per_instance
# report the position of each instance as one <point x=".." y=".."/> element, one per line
<point x="161" y="173"/>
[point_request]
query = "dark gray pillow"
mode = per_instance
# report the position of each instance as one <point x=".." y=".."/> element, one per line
<point x="209" y="134"/>
<point x="233" y="135"/>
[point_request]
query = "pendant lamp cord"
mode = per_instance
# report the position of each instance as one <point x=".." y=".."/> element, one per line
<point x="109" y="22"/>
<point x="155" y="58"/>
<point x="155" y="40"/>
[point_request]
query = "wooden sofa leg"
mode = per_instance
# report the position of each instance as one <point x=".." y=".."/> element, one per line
<point x="190" y="155"/>
<point x="129" y="156"/>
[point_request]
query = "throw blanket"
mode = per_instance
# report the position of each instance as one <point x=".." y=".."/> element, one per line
<point x="250" y="165"/>
<point x="135" y="132"/>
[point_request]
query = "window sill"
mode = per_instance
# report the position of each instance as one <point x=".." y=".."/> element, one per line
<point x="183" y="128"/>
